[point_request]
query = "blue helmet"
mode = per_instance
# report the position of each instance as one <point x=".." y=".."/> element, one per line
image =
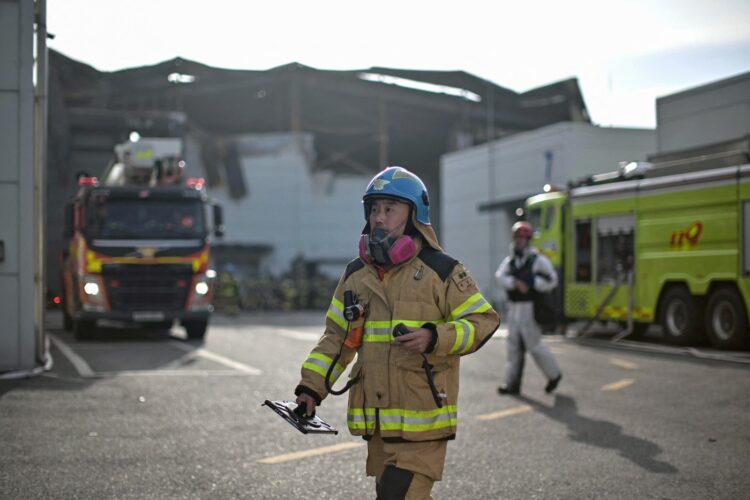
<point x="397" y="182"/>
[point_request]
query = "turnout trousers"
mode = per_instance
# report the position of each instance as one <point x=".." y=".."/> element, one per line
<point x="405" y="470"/>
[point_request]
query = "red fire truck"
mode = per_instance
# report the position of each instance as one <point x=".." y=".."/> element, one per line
<point x="139" y="244"/>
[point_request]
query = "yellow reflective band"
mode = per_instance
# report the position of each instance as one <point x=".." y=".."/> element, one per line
<point x="336" y="313"/>
<point x="382" y="331"/>
<point x="319" y="363"/>
<point x="474" y="304"/>
<point x="418" y="421"/>
<point x="464" y="337"/>
<point x="356" y="418"/>
<point x="377" y="331"/>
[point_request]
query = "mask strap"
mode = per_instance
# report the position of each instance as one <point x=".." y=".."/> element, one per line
<point x="364" y="248"/>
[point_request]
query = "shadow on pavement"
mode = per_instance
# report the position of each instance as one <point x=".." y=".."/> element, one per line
<point x="602" y="434"/>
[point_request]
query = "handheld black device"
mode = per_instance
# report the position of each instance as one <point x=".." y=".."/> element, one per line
<point x="295" y="415"/>
<point x="400" y="329"/>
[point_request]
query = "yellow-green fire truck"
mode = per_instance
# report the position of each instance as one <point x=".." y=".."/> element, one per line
<point x="682" y="239"/>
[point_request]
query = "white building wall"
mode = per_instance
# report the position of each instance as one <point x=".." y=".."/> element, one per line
<point x="296" y="212"/>
<point x="712" y="113"/>
<point x="521" y="165"/>
<point x="18" y="297"/>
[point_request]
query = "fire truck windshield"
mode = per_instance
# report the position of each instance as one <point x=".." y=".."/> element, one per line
<point x="145" y="218"/>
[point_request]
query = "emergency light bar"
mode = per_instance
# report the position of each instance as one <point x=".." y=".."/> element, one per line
<point x="195" y="182"/>
<point x="88" y="181"/>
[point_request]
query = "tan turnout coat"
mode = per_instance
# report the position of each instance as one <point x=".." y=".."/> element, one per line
<point x="392" y="388"/>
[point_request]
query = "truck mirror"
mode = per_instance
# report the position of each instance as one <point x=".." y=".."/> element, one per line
<point x="68" y="221"/>
<point x="218" y="221"/>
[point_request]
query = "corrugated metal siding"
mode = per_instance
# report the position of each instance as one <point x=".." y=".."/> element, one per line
<point x="712" y="113"/>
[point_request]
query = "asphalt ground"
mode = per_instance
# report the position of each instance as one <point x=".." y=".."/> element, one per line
<point x="147" y="414"/>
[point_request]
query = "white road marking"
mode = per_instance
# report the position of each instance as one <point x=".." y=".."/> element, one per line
<point x="298" y="455"/>
<point x="83" y="369"/>
<point x="296" y="335"/>
<point x="172" y="373"/>
<point x="235" y="365"/>
<point x="628" y="365"/>
<point x="620" y="384"/>
<point x="506" y="413"/>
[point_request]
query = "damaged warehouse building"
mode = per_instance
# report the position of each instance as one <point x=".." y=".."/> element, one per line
<point x="288" y="151"/>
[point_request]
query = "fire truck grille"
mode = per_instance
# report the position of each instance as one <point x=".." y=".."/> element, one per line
<point x="132" y="287"/>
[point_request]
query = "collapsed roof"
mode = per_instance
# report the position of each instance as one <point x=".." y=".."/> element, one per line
<point x="361" y="119"/>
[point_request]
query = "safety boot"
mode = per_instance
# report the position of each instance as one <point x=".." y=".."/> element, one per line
<point x="552" y="384"/>
<point x="506" y="389"/>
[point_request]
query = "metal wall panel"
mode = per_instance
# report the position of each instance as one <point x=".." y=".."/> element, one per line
<point x="18" y="299"/>
<point x="9" y="228"/>
<point x="9" y="308"/>
<point x="8" y="135"/>
<point x="9" y="30"/>
<point x="712" y="113"/>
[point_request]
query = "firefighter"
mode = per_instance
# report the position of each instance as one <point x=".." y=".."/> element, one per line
<point x="404" y="389"/>
<point x="522" y="274"/>
<point x="228" y="291"/>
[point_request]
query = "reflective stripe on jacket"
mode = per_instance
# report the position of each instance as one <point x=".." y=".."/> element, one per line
<point x="393" y="388"/>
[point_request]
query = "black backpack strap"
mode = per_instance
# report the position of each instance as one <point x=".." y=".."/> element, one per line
<point x="529" y="264"/>
<point x="353" y="267"/>
<point x="439" y="262"/>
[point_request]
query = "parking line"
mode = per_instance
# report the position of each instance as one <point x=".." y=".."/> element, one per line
<point x="620" y="384"/>
<point x="83" y="369"/>
<point x="506" y="413"/>
<point x="236" y="365"/>
<point x="628" y="365"/>
<point x="298" y="455"/>
<point x="172" y="373"/>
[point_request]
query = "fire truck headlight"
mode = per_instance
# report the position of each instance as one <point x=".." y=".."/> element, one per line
<point x="91" y="288"/>
<point x="92" y="293"/>
<point x="201" y="288"/>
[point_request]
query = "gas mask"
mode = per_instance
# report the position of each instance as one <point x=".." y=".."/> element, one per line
<point x="383" y="248"/>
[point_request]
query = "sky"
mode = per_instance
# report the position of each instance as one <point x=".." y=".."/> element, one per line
<point x="625" y="54"/>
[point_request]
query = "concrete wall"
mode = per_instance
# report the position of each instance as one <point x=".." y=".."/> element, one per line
<point x="479" y="202"/>
<point x="290" y="208"/>
<point x="712" y="113"/>
<point x="17" y="298"/>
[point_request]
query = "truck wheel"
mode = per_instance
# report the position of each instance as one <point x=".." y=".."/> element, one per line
<point x="196" y="329"/>
<point x="680" y="316"/>
<point x="726" y="319"/>
<point x="83" y="329"/>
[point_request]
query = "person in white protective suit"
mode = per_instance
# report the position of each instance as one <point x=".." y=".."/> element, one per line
<point x="522" y="274"/>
